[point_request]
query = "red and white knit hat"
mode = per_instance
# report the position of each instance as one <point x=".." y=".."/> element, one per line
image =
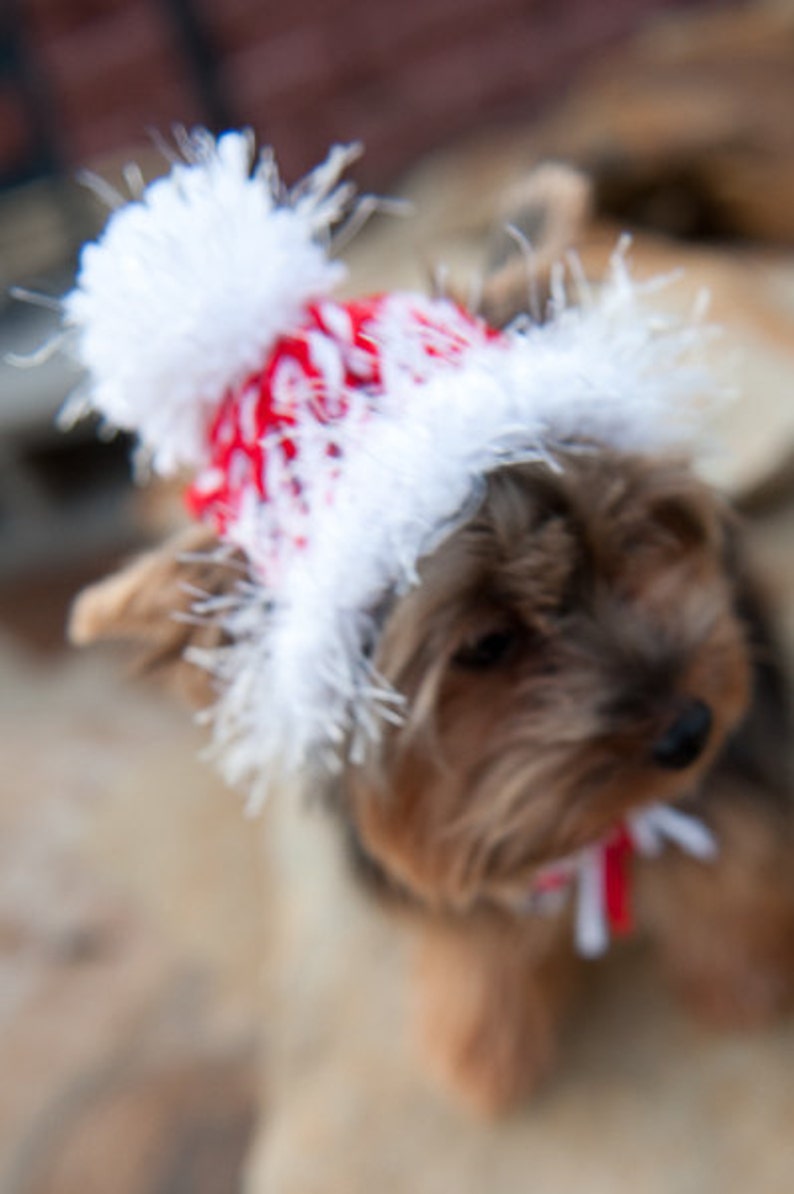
<point x="335" y="443"/>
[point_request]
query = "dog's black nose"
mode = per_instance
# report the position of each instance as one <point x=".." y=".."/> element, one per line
<point x="685" y="739"/>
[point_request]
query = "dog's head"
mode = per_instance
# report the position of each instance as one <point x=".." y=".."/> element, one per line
<point x="571" y="654"/>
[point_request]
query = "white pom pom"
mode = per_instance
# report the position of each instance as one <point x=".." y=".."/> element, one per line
<point x="187" y="288"/>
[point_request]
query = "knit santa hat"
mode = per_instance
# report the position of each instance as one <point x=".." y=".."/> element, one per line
<point x="334" y="443"/>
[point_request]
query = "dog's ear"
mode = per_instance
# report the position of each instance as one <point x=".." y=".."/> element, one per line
<point x="548" y="211"/>
<point x="149" y="604"/>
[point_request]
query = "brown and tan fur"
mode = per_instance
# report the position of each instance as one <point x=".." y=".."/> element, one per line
<point x="550" y="643"/>
<point x="550" y="646"/>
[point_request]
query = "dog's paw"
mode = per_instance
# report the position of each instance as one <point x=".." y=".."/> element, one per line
<point x="488" y="1014"/>
<point x="490" y="1068"/>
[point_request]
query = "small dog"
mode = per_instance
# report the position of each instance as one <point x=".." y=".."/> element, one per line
<point x="589" y="642"/>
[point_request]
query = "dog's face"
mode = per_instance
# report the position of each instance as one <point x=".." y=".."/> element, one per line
<point x="571" y="654"/>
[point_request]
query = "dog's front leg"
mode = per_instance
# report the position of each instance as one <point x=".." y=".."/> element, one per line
<point x="725" y="929"/>
<point x="492" y="990"/>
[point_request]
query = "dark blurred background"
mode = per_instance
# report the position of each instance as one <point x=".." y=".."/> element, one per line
<point x="85" y="78"/>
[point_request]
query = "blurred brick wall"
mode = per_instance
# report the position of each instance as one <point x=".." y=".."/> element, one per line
<point x="112" y="69"/>
<point x="402" y="75"/>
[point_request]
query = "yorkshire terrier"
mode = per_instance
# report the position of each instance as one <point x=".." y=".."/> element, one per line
<point x="588" y="643"/>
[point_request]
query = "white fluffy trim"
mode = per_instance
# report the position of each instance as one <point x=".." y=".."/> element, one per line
<point x="188" y="287"/>
<point x="297" y="681"/>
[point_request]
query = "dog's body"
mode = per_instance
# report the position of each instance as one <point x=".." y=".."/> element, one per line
<point x="573" y="630"/>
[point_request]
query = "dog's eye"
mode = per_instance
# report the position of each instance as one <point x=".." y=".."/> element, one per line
<point x="488" y="651"/>
<point x="681" y="521"/>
